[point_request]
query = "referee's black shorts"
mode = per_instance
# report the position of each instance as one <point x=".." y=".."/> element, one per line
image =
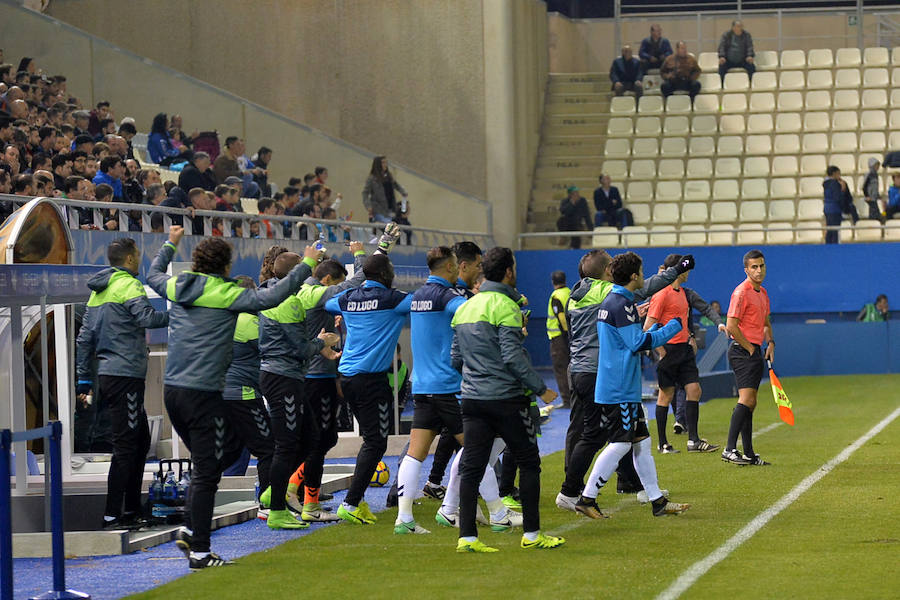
<point x="678" y="366"/>
<point x="748" y="369"/>
<point x="436" y="411"/>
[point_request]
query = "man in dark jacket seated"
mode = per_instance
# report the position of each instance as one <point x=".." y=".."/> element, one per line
<point x="626" y="74"/>
<point x="197" y="173"/>
<point x="654" y="49"/>
<point x="608" y="202"/>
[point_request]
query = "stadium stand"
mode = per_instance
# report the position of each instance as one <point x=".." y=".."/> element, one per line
<point x="753" y="156"/>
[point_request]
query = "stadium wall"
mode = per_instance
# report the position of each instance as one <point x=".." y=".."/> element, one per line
<point x="452" y="89"/>
<point x="588" y="45"/>
<point x="801" y="280"/>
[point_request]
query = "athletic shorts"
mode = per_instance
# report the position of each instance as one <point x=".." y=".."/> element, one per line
<point x="625" y="422"/>
<point x="748" y="370"/>
<point x="678" y="366"/>
<point x="436" y="411"/>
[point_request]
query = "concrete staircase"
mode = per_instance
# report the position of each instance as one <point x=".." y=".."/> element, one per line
<point x="573" y="137"/>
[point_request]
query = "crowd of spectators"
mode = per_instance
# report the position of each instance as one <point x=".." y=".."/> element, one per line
<point x="50" y="145"/>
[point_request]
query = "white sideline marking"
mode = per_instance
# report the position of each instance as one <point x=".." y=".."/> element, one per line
<point x="699" y="568"/>
<point x="767" y="428"/>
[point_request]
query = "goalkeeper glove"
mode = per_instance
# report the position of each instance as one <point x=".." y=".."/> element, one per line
<point x="388" y="238"/>
<point x="685" y="264"/>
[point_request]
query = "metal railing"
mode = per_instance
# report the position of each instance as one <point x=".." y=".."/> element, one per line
<point x="623" y="235"/>
<point x="138" y="217"/>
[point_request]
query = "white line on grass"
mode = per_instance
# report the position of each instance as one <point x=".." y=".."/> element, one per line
<point x="767" y="428"/>
<point x="699" y="568"/>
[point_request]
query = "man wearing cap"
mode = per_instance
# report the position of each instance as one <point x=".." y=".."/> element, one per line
<point x="574" y="213"/>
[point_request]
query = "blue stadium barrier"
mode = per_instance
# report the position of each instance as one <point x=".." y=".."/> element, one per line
<point x="53" y="433"/>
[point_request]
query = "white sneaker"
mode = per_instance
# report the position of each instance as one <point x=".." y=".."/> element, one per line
<point x="566" y="502"/>
<point x="262" y="513"/>
<point x="293" y="502"/>
<point x="644" y="499"/>
<point x="446" y="518"/>
<point x="510" y="520"/>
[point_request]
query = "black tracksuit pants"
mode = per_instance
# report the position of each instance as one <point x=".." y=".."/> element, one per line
<point x="124" y="396"/>
<point x="447" y="445"/>
<point x="250" y="420"/>
<point x="484" y="420"/>
<point x="294" y="435"/>
<point x="322" y="399"/>
<point x="370" y="398"/>
<point x="201" y="420"/>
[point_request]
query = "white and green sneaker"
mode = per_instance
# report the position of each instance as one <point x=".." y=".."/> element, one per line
<point x="401" y="528"/>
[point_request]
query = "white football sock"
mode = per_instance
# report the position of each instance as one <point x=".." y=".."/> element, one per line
<point x="469" y="538"/>
<point x="451" y="496"/>
<point x="646" y="468"/>
<point x="407" y="484"/>
<point x="199" y="555"/>
<point x="604" y="467"/>
<point x="531" y="536"/>
<point x="496" y="449"/>
<point x="497" y="509"/>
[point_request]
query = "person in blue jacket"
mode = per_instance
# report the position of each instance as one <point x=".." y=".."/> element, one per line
<point x="616" y="413"/>
<point x="627" y="74"/>
<point x="374" y="315"/>
<point x="162" y="149"/>
<point x="834" y="188"/>
<point x="654" y="49"/>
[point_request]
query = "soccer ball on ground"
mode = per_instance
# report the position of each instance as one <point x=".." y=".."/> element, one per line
<point x="381" y="475"/>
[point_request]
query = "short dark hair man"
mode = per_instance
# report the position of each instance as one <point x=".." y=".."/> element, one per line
<point x="558" y="333"/>
<point x="113" y="325"/>
<point x="749" y="326"/>
<point x="205" y="307"/>
<point x="497" y="381"/>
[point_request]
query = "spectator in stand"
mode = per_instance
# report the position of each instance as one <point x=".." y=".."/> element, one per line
<point x="91" y="166"/>
<point x="198" y="173"/>
<point x="610" y="210"/>
<point x="163" y="151"/>
<point x="40" y="161"/>
<point x="62" y="168"/>
<point x="573" y="212"/>
<point x="871" y="189"/>
<point x="893" y="203"/>
<point x="5" y="182"/>
<point x="266" y="206"/>
<point x="872" y="313"/>
<point x="321" y="174"/>
<point x="23" y="185"/>
<point x="79" y="188"/>
<point x="47" y="137"/>
<point x="262" y="159"/>
<point x="378" y="195"/>
<point x="97" y="116"/>
<point x="10" y="158"/>
<point x="127" y="131"/>
<point x="177" y="133"/>
<point x="83" y="143"/>
<point x="43" y="181"/>
<point x="228" y="200"/>
<point x="79" y="159"/>
<point x="18" y="109"/>
<point x="736" y="51"/>
<point x="626" y="74"/>
<point x="226" y="165"/>
<point x="107" y="127"/>
<point x="27" y="65"/>
<point x="834" y="191"/>
<point x="716" y="307"/>
<point x="100" y="151"/>
<point x="112" y="170"/>
<point x="156" y="193"/>
<point x="82" y="119"/>
<point x="654" y="49"/>
<point x="118" y="146"/>
<point x="198" y="200"/>
<point x="680" y="72"/>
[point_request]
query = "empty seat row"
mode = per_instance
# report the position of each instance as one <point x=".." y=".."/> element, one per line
<point x="820" y="58"/>
<point x="784" y="143"/>
<point x="715" y="235"/>
<point x="728" y="189"/>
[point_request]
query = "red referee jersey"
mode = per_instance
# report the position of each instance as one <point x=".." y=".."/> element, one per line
<point x="667" y="304"/>
<point x="750" y="307"/>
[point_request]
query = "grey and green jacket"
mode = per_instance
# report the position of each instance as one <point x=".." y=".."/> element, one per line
<point x="285" y="341"/>
<point x="313" y="296"/>
<point x="582" y="311"/>
<point x="487" y="346"/>
<point x="242" y="376"/>
<point x="117" y="314"/>
<point x="203" y="316"/>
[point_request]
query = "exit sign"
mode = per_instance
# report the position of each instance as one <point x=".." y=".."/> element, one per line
<point x="852" y="20"/>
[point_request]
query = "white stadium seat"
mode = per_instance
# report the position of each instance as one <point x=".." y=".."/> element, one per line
<point x="728" y="167"/>
<point x="876" y="78"/>
<point x="819" y="80"/>
<point x="754" y="189"/>
<point x="873" y="120"/>
<point x="786" y="143"/>
<point x="754" y="210"/>
<point x="793" y="59"/>
<point x="785" y="166"/>
<point x="817" y="121"/>
<point x="847" y="57"/>
<point x="814" y="143"/>
<point x="723" y="212"/>
<point x="699" y="168"/>
<point x="706" y="103"/>
<point x="673" y="146"/>
<point x="788" y="122"/>
<point x="675" y="126"/>
<point x="895" y="56"/>
<point x="862" y="165"/>
<point x="663" y="235"/>
<point x="848" y="99"/>
<point x="708" y="61"/>
<point x="847" y="78"/>
<point x="650" y="105"/>
<point x="782" y="210"/>
<point x="892" y="230"/>
<point x="845" y="162"/>
<point x="678" y="104"/>
<point x="617" y="169"/>
<point x="809" y="233"/>
<point x="668" y="191"/>
<point x="736" y="82"/>
<point x="790" y="101"/>
<point x="763" y="81"/>
<point x="876" y="57"/>
<point x="766" y="60"/>
<point x="750" y="234"/>
<point x="874" y="98"/>
<point x="762" y="102"/>
<point x="696" y="190"/>
<point x="844" y="141"/>
<point x="647" y="126"/>
<point x="734" y="103"/>
<point x="720" y="235"/>
<point x="665" y="212"/>
<point x="605" y="237"/>
<point x="783" y="187"/>
<point x="620" y="127"/>
<point x="730" y="145"/>
<point x="622" y="105"/>
<point x="812" y="164"/>
<point x="725" y="189"/>
<point x="894" y="122"/>
<point x="820" y="58"/>
<point x="755" y="166"/>
<point x="758" y="144"/>
<point x="818" y="100"/>
<point x="842" y="120"/>
<point x="702" y="146"/>
<point x="811" y="187"/>
<point x="642" y="169"/>
<point x="780" y="233"/>
<point x="895" y="77"/>
<point x="634" y="236"/>
<point x="639" y="191"/>
<point x="645" y="147"/>
<point x="873" y="141"/>
<point x="731" y="124"/>
<point x="670" y="168"/>
<point x="760" y="123"/>
<point x="696" y="236"/>
<point x="710" y="82"/>
<point x="704" y="125"/>
<point x="617" y="148"/>
<point x="792" y="80"/>
<point x="694" y="212"/>
<point x="808" y="210"/>
<point x="867" y="231"/>
<point x="640" y="212"/>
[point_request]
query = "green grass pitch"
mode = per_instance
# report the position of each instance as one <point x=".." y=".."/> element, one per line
<point x="841" y="539"/>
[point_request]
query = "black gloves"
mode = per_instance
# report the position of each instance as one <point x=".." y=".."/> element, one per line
<point x="686" y="264"/>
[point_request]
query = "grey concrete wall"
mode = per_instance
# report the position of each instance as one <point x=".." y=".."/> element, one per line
<point x="403" y="78"/>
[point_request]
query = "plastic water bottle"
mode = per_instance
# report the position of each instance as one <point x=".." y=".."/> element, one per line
<point x="170" y="488"/>
<point x="182" y="488"/>
<point x="256" y="496"/>
<point x="156" y="489"/>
